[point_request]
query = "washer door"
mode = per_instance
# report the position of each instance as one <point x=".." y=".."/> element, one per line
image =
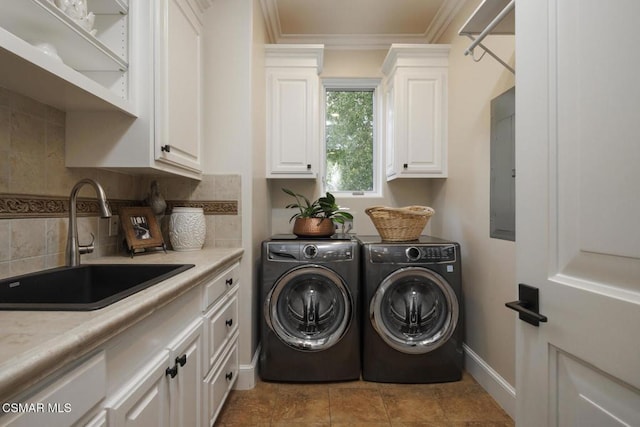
<point x="309" y="308"/>
<point x="414" y="310"/>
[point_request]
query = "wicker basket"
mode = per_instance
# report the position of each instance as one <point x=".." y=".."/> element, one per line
<point x="399" y="224"/>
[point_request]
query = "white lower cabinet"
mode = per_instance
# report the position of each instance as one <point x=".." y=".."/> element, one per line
<point x="98" y="420"/>
<point x="144" y="401"/>
<point x="167" y="391"/>
<point x="222" y="323"/>
<point x="220" y="381"/>
<point x="174" y="368"/>
<point x="63" y="399"/>
<point x="185" y="390"/>
<point x="221" y="350"/>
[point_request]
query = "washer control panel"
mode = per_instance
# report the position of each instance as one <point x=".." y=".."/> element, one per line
<point x="310" y="251"/>
<point x="414" y="254"/>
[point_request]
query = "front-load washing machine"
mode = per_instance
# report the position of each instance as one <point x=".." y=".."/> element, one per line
<point x="412" y="328"/>
<point x="310" y="309"/>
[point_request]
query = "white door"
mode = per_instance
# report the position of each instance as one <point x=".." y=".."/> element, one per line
<point x="578" y="211"/>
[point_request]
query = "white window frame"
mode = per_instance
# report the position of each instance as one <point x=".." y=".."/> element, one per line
<point x="355" y="84"/>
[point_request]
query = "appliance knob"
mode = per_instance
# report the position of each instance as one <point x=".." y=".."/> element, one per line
<point x="310" y="251"/>
<point x="413" y="253"/>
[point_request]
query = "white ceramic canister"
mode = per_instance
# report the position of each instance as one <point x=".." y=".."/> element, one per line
<point x="187" y="229"/>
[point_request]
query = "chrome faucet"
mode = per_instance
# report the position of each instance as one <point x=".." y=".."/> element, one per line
<point x="72" y="256"/>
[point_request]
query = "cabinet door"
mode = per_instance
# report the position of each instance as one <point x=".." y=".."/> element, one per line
<point x="292" y="123"/>
<point x="99" y="420"/>
<point x="64" y="400"/>
<point x="185" y="389"/>
<point x="178" y="123"/>
<point x="390" y="151"/>
<point x="420" y="123"/>
<point x="144" y="400"/>
<point x="220" y="381"/>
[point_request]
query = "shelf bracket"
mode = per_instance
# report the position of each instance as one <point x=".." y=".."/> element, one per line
<point x="477" y="42"/>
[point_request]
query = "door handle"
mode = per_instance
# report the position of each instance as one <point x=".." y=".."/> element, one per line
<point x="527" y="305"/>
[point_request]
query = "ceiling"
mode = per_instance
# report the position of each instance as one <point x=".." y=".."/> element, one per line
<point x="344" y="24"/>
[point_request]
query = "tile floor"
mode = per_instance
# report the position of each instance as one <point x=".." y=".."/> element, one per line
<point x="360" y="403"/>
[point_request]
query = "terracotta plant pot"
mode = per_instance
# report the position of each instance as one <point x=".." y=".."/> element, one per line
<point x="313" y="227"/>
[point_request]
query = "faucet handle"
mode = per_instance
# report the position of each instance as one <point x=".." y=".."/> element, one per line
<point x="87" y="249"/>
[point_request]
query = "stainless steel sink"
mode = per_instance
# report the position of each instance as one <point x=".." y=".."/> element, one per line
<point x="82" y="288"/>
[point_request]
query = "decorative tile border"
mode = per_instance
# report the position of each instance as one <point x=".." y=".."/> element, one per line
<point x="14" y="206"/>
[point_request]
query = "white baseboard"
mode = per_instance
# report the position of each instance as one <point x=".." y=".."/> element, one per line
<point x="501" y="391"/>
<point x="248" y="374"/>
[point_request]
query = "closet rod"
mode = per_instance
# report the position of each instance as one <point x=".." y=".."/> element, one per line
<point x="508" y="8"/>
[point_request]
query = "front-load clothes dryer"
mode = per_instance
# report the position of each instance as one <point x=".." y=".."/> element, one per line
<point x="310" y="310"/>
<point x="412" y="328"/>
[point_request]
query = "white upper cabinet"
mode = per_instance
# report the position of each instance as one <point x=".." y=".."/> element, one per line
<point x="166" y="75"/>
<point x="178" y="84"/>
<point x="415" y="96"/>
<point x="293" y="99"/>
<point x="51" y="57"/>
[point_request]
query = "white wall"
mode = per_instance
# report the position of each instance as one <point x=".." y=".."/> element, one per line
<point x="234" y="140"/>
<point x="462" y="200"/>
<point x="260" y="202"/>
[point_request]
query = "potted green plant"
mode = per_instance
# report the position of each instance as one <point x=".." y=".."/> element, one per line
<point x="316" y="219"/>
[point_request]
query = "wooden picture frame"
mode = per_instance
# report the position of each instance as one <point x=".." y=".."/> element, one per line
<point x="141" y="229"/>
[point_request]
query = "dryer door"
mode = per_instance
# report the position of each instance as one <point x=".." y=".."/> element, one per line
<point x="309" y="308"/>
<point x="414" y="310"/>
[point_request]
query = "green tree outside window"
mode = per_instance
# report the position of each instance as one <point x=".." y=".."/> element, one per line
<point x="349" y="140"/>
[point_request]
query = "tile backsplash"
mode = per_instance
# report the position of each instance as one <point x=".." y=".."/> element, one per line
<point x="33" y="177"/>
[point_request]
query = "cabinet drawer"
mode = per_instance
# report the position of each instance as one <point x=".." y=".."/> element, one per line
<point x="219" y="383"/>
<point x="222" y="323"/>
<point x="143" y="400"/>
<point x="64" y="401"/>
<point x="217" y="287"/>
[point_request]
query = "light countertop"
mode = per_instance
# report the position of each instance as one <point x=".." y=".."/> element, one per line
<point x="33" y="344"/>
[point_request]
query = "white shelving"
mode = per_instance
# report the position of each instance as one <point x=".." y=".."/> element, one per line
<point x="485" y="13"/>
<point x="111" y="7"/>
<point x="91" y="73"/>
<point x="495" y="17"/>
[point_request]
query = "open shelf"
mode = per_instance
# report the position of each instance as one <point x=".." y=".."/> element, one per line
<point x="26" y="70"/>
<point x="40" y="21"/>
<point x="491" y="17"/>
<point x="89" y="73"/>
<point x="484" y="14"/>
<point x="108" y="6"/>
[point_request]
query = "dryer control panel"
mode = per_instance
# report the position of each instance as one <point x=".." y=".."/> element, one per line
<point x="414" y="254"/>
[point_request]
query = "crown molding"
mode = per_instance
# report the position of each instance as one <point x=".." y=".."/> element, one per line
<point x="445" y="15"/>
<point x="351" y="41"/>
<point x="271" y="18"/>
<point x="441" y="21"/>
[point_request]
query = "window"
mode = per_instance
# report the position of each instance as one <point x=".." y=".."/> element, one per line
<point x="350" y="147"/>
